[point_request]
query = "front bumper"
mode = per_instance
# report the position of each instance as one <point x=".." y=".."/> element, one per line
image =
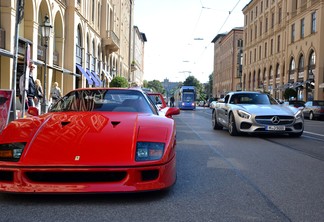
<point x="87" y="179"/>
<point x="263" y="124"/>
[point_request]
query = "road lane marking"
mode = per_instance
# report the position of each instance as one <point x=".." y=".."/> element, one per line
<point x="316" y="134"/>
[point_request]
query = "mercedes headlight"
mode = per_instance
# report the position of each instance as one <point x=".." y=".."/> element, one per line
<point x="11" y="151"/>
<point x="243" y="114"/>
<point x="146" y="151"/>
<point x="299" y="114"/>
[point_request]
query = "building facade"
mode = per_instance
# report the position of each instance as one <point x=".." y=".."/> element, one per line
<point x="227" y="62"/>
<point x="89" y="43"/>
<point x="283" y="47"/>
<point x="137" y="65"/>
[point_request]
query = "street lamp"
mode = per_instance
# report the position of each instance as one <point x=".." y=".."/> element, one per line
<point x="46" y="31"/>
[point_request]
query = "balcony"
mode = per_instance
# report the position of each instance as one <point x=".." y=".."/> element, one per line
<point x="111" y="41"/>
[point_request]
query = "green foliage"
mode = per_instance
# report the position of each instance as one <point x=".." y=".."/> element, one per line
<point x="289" y="92"/>
<point x="119" y="81"/>
<point x="145" y="84"/>
<point x="156" y="86"/>
<point x="192" y="81"/>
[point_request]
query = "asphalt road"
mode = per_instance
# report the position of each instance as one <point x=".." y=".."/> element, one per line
<point x="220" y="178"/>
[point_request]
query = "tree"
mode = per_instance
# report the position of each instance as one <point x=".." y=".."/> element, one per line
<point x="156" y="86"/>
<point x="192" y="81"/>
<point x="289" y="92"/>
<point x="119" y="81"/>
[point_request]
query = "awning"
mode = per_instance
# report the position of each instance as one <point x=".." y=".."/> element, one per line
<point x="96" y="79"/>
<point x="85" y="74"/>
<point x="297" y="84"/>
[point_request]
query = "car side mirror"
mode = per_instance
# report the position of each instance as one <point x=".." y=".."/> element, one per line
<point x="172" y="111"/>
<point x="33" y="111"/>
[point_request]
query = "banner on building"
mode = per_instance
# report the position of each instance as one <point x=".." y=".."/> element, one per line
<point x="5" y="106"/>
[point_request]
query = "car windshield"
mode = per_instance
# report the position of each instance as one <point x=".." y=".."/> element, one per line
<point x="253" y="98"/>
<point x="155" y="99"/>
<point x="112" y="100"/>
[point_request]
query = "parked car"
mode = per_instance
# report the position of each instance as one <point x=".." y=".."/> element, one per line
<point x="297" y="103"/>
<point x="255" y="112"/>
<point x="91" y="141"/>
<point x="212" y="104"/>
<point x="314" y="109"/>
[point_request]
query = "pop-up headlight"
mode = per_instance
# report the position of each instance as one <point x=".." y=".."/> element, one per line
<point x="149" y="151"/>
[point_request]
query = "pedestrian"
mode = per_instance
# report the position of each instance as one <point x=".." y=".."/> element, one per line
<point x="172" y="101"/>
<point x="27" y="88"/>
<point x="39" y="93"/>
<point x="56" y="93"/>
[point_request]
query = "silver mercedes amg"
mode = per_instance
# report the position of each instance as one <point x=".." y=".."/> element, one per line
<point x="255" y="112"/>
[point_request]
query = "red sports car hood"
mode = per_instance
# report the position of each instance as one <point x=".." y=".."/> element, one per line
<point x="88" y="138"/>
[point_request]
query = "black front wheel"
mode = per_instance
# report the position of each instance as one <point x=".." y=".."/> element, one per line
<point x="232" y="126"/>
<point x="216" y="125"/>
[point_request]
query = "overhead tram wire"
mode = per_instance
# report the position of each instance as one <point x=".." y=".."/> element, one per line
<point x="229" y="14"/>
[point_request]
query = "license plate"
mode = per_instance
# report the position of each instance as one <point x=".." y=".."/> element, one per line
<point x="275" y="128"/>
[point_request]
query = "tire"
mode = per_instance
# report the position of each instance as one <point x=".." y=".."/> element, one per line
<point x="232" y="126"/>
<point x="311" y="115"/>
<point x="216" y="125"/>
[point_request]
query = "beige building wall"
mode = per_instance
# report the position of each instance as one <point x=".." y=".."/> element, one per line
<point x="280" y="48"/>
<point x="137" y="65"/>
<point x="93" y="34"/>
<point x="227" y="75"/>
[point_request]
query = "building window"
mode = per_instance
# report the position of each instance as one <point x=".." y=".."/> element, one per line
<point x="265" y="50"/>
<point x="255" y="51"/>
<point x="278" y="71"/>
<point x="301" y="64"/>
<point x="256" y="11"/>
<point x="255" y="31"/>
<point x="266" y="25"/>
<point x="302" y="28"/>
<point x="240" y="43"/>
<point x="260" y="53"/>
<point x="292" y="33"/>
<point x="278" y="44"/>
<point x="78" y="46"/>
<point x="260" y="28"/>
<point x="261" y="9"/>
<point x="272" y="19"/>
<point x="251" y="35"/>
<point x="99" y="15"/>
<point x="271" y="47"/>
<point x="280" y="15"/>
<point x="313" y="25"/>
<point x="93" y="11"/>
<point x="250" y="57"/>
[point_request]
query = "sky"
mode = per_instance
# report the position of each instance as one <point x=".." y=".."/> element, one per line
<point x="179" y="35"/>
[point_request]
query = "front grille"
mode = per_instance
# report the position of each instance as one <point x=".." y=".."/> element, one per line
<point x="266" y="120"/>
<point x="298" y="126"/>
<point x="245" y="125"/>
<point x="6" y="176"/>
<point x="76" y="177"/>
